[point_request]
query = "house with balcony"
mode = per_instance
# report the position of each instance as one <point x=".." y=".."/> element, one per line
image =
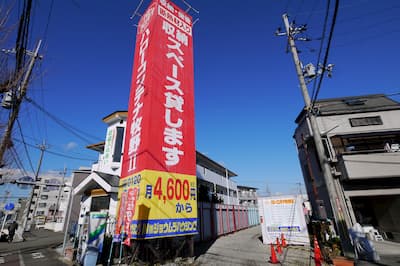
<point x="361" y="137"/>
<point x="247" y="196"/>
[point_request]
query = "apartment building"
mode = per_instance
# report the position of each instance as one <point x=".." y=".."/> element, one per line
<point x="361" y="136"/>
<point x="49" y="203"/>
<point x="247" y="196"/>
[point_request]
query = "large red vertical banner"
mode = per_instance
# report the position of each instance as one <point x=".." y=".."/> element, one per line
<point x="159" y="159"/>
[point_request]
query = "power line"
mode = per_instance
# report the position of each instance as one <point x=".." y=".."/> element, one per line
<point x="73" y="130"/>
<point x="335" y="12"/>
<point x="321" y="44"/>
<point x="26" y="148"/>
<point x="22" y="37"/>
<point x="369" y="97"/>
<point x="370" y="26"/>
<point x="59" y="154"/>
<point x="48" y="22"/>
<point x="70" y="157"/>
<point x="311" y="12"/>
<point x="366" y="38"/>
<point x="367" y="15"/>
<point x="18" y="161"/>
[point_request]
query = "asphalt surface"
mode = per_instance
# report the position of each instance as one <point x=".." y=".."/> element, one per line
<point x="246" y="248"/>
<point x="38" y="249"/>
<point x="241" y="248"/>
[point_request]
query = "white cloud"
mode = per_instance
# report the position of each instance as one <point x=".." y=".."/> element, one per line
<point x="71" y="145"/>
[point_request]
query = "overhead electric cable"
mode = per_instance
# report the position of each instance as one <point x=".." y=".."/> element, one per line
<point x="297" y="10"/>
<point x="365" y="38"/>
<point x="368" y="97"/>
<point x="311" y="12"/>
<point x="73" y="130"/>
<point x="18" y="161"/>
<point x="59" y="154"/>
<point x="70" y="157"/>
<point x="26" y="148"/>
<point x="22" y="36"/>
<point x="48" y="22"/>
<point x="327" y="52"/>
<point x="369" y="14"/>
<point x="321" y="44"/>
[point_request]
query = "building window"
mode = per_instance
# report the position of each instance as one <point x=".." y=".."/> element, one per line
<point x="100" y="203"/>
<point x="118" y="144"/>
<point x="366" y="121"/>
<point x="44" y="197"/>
<point x="42" y="204"/>
<point x="40" y="213"/>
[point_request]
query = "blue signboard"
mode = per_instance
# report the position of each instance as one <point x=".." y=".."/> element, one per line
<point x="9" y="206"/>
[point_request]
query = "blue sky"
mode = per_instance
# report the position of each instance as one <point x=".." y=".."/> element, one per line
<point x="246" y="89"/>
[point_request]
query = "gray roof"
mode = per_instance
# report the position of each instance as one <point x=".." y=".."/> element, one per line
<point x="353" y="104"/>
<point x="206" y="162"/>
<point x="112" y="180"/>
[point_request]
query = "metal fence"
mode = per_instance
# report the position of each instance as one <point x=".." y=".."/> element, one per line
<point x="220" y="219"/>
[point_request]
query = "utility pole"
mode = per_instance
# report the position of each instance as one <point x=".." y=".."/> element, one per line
<point x="341" y="216"/>
<point x="227" y="184"/>
<point x="59" y="194"/>
<point x="42" y="148"/>
<point x="6" y="140"/>
<point x="22" y="228"/>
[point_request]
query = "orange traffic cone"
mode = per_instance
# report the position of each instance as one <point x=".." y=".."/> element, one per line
<point x="283" y="240"/>
<point x="317" y="253"/>
<point x="273" y="259"/>
<point x="278" y="246"/>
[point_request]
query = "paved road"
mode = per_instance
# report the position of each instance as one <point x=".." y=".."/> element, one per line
<point x="38" y="249"/>
<point x="38" y="257"/>
<point x="246" y="248"/>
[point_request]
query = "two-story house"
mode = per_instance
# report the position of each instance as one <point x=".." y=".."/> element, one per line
<point x="361" y="136"/>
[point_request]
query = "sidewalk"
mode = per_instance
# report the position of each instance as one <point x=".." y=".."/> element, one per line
<point x="246" y="248"/>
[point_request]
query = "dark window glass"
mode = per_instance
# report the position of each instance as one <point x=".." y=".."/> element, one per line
<point x="366" y="121"/>
<point x="100" y="203"/>
<point x="118" y="144"/>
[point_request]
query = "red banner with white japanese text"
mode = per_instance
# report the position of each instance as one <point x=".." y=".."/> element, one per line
<point x="159" y="158"/>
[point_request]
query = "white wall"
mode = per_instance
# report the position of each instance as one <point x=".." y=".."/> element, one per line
<point x="339" y="124"/>
<point x="210" y="176"/>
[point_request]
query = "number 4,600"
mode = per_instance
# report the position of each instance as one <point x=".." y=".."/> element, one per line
<point x="176" y="189"/>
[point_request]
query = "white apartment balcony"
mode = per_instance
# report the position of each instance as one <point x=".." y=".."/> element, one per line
<point x="367" y="165"/>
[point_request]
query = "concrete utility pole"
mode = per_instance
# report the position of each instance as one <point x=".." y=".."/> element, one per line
<point x="341" y="216"/>
<point x="42" y="148"/>
<point x="59" y="194"/>
<point x="6" y="140"/>
<point x="25" y="218"/>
